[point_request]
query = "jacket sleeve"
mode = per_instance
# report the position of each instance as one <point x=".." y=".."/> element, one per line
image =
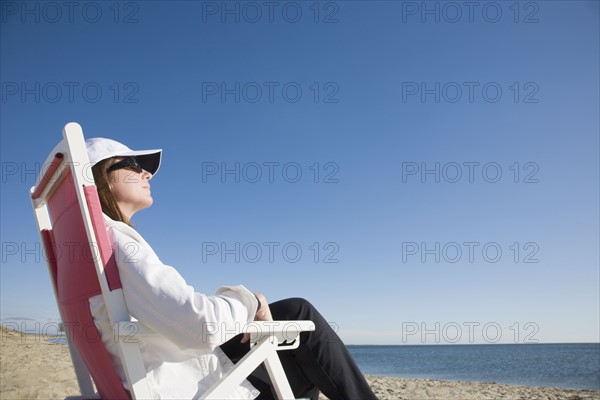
<point x="158" y="297"/>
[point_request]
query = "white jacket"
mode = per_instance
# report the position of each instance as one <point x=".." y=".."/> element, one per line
<point x="184" y="360"/>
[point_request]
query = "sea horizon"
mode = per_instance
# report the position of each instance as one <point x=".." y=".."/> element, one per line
<point x="41" y="328"/>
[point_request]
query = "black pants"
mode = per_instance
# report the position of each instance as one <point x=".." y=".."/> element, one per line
<point x="321" y="363"/>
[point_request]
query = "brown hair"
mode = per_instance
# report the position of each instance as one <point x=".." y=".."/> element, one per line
<point x="107" y="200"/>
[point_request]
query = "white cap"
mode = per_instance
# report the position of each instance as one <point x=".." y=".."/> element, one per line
<point x="99" y="149"/>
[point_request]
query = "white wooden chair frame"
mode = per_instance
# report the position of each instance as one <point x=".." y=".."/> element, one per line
<point x="266" y="337"/>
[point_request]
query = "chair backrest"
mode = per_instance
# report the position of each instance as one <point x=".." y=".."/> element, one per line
<point x="82" y="265"/>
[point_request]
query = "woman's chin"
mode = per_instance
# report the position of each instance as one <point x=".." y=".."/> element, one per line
<point x="147" y="203"/>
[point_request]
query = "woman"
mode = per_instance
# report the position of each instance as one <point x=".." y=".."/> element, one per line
<point x="188" y="355"/>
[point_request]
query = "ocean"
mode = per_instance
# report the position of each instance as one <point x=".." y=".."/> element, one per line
<point x="570" y="365"/>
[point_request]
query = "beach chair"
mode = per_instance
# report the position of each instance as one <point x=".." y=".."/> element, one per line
<point x="81" y="265"/>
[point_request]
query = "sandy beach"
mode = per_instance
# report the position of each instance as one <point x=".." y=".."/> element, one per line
<point x="32" y="368"/>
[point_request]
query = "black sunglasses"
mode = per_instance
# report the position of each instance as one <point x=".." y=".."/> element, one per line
<point x="129" y="162"/>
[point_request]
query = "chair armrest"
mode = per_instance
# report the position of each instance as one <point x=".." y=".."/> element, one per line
<point x="285" y="332"/>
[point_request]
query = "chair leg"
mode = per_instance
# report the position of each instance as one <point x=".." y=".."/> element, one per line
<point x="86" y="388"/>
<point x="278" y="378"/>
<point x="259" y="353"/>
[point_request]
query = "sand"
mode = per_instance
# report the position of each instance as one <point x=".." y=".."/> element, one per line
<point x="32" y="368"/>
<point x="413" y="389"/>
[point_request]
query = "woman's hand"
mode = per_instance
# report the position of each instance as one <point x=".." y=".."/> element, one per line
<point x="262" y="314"/>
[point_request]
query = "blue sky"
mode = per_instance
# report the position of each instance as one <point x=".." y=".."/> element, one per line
<point x="420" y="130"/>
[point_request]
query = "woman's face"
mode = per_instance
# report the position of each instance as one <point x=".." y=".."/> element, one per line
<point x="131" y="189"/>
